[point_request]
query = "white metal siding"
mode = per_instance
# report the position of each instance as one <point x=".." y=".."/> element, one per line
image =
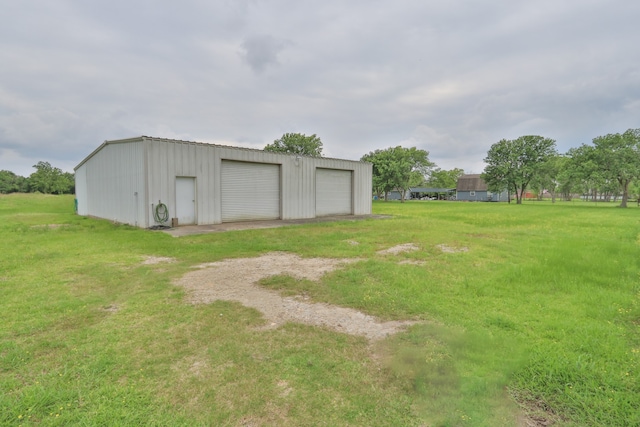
<point x="81" y="190"/>
<point x="298" y="191"/>
<point x="117" y="170"/>
<point x="333" y="192"/>
<point x="114" y="184"/>
<point x="250" y="191"/>
<point x="362" y="188"/>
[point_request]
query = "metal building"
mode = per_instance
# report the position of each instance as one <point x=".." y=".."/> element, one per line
<point x="128" y="180"/>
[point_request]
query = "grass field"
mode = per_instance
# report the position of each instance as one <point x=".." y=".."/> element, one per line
<point x="534" y="317"/>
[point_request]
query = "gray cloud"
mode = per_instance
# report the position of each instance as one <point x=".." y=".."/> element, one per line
<point x="260" y="51"/>
<point x="448" y="77"/>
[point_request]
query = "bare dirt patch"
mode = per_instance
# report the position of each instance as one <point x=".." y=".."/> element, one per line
<point x="452" y="250"/>
<point x="413" y="262"/>
<point x="237" y="280"/>
<point x="112" y="308"/>
<point x="152" y="260"/>
<point x="398" y="249"/>
<point x="534" y="412"/>
<point x="49" y="226"/>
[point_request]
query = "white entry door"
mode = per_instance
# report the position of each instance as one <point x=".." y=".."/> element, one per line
<point x="186" y="200"/>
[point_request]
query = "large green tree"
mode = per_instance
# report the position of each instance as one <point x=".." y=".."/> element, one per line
<point x="634" y="191"/>
<point x="547" y="177"/>
<point x="608" y="167"/>
<point x="398" y="168"/>
<point x="383" y="179"/>
<point x="50" y="180"/>
<point x="583" y="171"/>
<point x="566" y="178"/>
<point x="440" y="178"/>
<point x="66" y="184"/>
<point x="512" y="164"/>
<point x="297" y="143"/>
<point x="618" y="156"/>
<point x="12" y="183"/>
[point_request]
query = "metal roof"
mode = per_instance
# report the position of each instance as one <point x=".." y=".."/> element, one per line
<point x="471" y="182"/>
<point x="177" y="141"/>
<point x="430" y="190"/>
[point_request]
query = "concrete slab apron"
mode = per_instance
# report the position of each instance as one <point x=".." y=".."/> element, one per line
<point x="188" y="230"/>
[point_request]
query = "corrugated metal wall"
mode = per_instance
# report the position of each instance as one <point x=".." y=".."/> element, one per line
<point x="150" y="166"/>
<point x="81" y="190"/>
<point x="112" y="185"/>
<point x="467" y="196"/>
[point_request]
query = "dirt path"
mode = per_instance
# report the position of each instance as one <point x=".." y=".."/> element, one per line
<point x="237" y="280"/>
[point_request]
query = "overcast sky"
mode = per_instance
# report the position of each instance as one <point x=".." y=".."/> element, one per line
<point x="449" y="77"/>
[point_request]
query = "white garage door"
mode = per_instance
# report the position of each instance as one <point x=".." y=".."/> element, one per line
<point x="250" y="191"/>
<point x="333" y="192"/>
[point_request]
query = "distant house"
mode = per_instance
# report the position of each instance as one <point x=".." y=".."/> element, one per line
<point x="397" y="195"/>
<point x="471" y="187"/>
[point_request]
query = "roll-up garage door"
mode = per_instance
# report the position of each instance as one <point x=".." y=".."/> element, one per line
<point x="250" y="191"/>
<point x="333" y="192"/>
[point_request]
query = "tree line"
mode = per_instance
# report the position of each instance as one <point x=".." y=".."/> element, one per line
<point x="606" y="169"/>
<point x="46" y="179"/>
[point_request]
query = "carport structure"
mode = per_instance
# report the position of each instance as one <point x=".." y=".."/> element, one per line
<point x="432" y="193"/>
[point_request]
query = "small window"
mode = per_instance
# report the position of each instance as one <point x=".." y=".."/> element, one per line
<point x="472" y="193"/>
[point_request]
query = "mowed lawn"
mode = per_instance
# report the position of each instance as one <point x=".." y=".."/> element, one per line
<point x="525" y="314"/>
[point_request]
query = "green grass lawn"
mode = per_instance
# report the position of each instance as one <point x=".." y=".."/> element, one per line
<point x="535" y="313"/>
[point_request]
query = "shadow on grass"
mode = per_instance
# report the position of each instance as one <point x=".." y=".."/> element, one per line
<point x="458" y="376"/>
